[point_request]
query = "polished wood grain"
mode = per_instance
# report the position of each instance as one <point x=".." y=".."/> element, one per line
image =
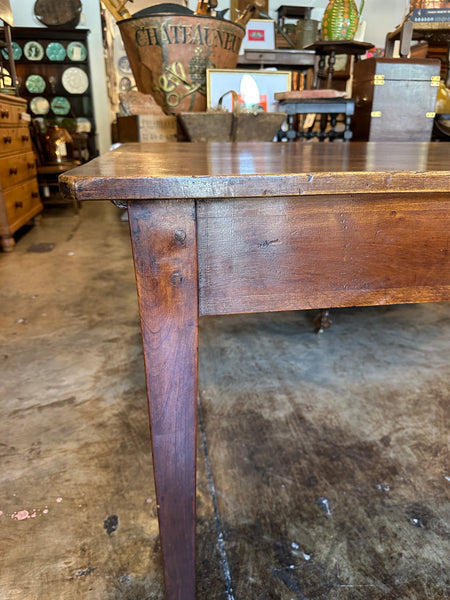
<point x="164" y="248"/>
<point x="226" y="170"/>
<point x="339" y="250"/>
<point x="227" y="228"/>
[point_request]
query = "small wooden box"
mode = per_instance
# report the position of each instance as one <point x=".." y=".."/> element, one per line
<point x="395" y="99"/>
<point x="147" y="128"/>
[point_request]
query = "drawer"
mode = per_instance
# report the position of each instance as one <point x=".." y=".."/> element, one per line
<point x="14" y="139"/>
<point x="17" y="168"/>
<point x="22" y="203"/>
<point x="11" y="114"/>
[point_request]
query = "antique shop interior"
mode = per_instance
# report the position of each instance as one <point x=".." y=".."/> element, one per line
<point x="323" y="467"/>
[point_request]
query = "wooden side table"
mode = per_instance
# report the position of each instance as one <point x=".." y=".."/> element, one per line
<point x="225" y="228"/>
<point x="328" y="108"/>
<point x="330" y="49"/>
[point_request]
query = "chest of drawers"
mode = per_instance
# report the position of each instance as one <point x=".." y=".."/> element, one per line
<point x="19" y="191"/>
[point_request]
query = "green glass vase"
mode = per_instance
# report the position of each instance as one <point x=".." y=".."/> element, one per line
<point x="340" y="20"/>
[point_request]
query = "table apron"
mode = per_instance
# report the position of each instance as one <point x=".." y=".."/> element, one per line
<point x="290" y="253"/>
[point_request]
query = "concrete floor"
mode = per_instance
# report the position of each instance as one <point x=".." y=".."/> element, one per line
<point x="323" y="459"/>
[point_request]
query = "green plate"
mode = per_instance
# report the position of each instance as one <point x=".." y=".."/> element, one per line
<point x="55" y="51"/>
<point x="17" y="52"/>
<point x="35" y="84"/>
<point x="76" y="51"/>
<point x="60" y="105"/>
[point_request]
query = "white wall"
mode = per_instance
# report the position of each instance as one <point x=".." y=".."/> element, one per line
<point x="381" y="16"/>
<point x="23" y="13"/>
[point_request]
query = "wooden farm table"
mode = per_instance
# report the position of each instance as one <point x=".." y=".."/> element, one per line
<point x="232" y="228"/>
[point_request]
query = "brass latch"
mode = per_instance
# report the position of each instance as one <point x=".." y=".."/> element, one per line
<point x="378" y="80"/>
<point x="430" y="115"/>
<point x="375" y="113"/>
<point x="435" y="81"/>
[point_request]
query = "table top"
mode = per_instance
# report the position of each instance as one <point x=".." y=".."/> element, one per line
<point x="282" y="57"/>
<point x="339" y="47"/>
<point x="234" y="170"/>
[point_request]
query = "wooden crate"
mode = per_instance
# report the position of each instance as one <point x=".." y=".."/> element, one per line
<point x="147" y="128"/>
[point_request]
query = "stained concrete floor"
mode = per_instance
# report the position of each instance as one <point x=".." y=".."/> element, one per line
<point x="323" y="459"/>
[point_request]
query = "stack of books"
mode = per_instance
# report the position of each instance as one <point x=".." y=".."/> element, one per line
<point x="430" y="15"/>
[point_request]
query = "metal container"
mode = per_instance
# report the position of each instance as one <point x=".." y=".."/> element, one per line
<point x="170" y="53"/>
<point x="430" y="4"/>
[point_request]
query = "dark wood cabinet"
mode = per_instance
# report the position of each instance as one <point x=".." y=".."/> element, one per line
<point x="53" y="73"/>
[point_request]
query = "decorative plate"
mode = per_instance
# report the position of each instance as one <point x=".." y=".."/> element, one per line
<point x="55" y="51"/>
<point x="124" y="65"/>
<point x="125" y="84"/>
<point x="35" y="84"/>
<point x="60" y="105"/>
<point x="33" y="51"/>
<point x="76" y="51"/>
<point x="39" y="105"/>
<point x="75" y="80"/>
<point x="17" y="51"/>
<point x="83" y="125"/>
<point x="54" y="13"/>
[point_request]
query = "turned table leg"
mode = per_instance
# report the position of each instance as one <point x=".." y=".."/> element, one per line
<point x="163" y="238"/>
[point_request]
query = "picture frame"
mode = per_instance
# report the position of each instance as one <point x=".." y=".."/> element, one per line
<point x="259" y="35"/>
<point x="245" y="84"/>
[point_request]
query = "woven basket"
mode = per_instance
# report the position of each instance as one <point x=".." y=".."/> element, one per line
<point x="228" y="127"/>
<point x="231" y="126"/>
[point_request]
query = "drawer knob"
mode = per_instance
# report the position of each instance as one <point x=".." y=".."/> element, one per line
<point x="25" y="138"/>
<point x="34" y="195"/>
<point x="4" y="114"/>
<point x="30" y="165"/>
<point x="7" y="139"/>
<point x="18" y="204"/>
<point x="13" y="171"/>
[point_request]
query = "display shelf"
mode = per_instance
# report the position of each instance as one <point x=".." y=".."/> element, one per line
<point x="53" y="74"/>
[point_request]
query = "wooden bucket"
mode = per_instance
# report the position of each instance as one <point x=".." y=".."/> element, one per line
<point x="170" y="53"/>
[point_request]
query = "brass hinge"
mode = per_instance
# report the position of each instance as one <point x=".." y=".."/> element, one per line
<point x="375" y="113"/>
<point x="378" y="80"/>
<point x="430" y="115"/>
<point x="435" y="81"/>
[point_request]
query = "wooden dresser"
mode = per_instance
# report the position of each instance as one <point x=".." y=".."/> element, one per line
<point x="19" y="191"/>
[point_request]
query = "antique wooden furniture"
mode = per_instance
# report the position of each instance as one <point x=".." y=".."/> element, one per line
<point x="19" y="193"/>
<point x="225" y="228"/>
<point x="54" y="76"/>
<point x="435" y="32"/>
<point x="330" y="108"/>
<point x="329" y="49"/>
<point x="395" y="99"/>
<point x="298" y="61"/>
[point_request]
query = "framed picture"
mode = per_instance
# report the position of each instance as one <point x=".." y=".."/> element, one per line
<point x="252" y="87"/>
<point x="259" y="35"/>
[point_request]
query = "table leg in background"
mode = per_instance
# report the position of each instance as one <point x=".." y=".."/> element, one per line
<point x="163" y="235"/>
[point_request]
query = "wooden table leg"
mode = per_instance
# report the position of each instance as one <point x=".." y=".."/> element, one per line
<point x="163" y="235"/>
